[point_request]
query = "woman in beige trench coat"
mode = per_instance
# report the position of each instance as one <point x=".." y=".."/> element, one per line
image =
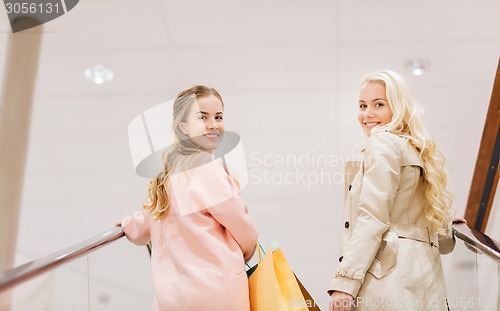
<point x="397" y="209"/>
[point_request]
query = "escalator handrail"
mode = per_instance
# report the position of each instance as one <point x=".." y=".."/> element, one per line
<point x="477" y="240"/>
<point x="15" y="276"/>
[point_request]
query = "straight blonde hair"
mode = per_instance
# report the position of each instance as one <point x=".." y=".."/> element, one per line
<point x="183" y="152"/>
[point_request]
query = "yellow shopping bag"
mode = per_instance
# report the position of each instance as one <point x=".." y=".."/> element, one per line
<point x="274" y="287"/>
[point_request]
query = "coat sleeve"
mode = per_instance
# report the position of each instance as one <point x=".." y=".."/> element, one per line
<point x="211" y="188"/>
<point x="233" y="216"/>
<point x="382" y="169"/>
<point x="137" y="227"/>
<point x="446" y="241"/>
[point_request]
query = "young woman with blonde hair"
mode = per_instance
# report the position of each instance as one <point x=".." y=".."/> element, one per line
<point x="397" y="210"/>
<point x="197" y="223"/>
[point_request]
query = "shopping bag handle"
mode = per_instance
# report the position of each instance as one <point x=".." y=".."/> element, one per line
<point x="260" y="251"/>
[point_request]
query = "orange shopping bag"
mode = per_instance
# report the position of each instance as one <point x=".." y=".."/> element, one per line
<point x="273" y="285"/>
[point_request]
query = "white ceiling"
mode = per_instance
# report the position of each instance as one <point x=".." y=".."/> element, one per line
<point x="288" y="72"/>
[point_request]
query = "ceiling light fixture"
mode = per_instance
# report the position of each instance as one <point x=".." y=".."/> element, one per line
<point x="99" y="74"/>
<point x="417" y="67"/>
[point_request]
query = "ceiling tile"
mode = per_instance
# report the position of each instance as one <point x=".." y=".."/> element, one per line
<point x="258" y="68"/>
<point x="464" y="63"/>
<point x="257" y="23"/>
<point x="135" y="72"/>
<point x="418" y="22"/>
<point x="108" y="26"/>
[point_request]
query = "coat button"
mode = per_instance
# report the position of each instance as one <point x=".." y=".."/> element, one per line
<point x="341" y="258"/>
<point x="350" y="186"/>
<point x="346" y="225"/>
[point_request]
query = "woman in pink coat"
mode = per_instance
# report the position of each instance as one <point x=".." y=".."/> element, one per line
<point x="197" y="223"/>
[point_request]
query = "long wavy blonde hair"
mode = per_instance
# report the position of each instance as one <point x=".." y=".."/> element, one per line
<point x="183" y="152"/>
<point x="407" y="123"/>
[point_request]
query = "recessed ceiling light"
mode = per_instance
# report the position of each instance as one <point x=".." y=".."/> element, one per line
<point x="417" y="67"/>
<point x="99" y="74"/>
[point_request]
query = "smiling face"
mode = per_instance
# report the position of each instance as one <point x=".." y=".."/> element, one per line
<point x="374" y="108"/>
<point x="204" y="123"/>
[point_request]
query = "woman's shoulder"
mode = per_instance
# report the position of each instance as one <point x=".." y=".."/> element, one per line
<point x="385" y="142"/>
<point x="201" y="187"/>
<point x="395" y="145"/>
<point x="206" y="171"/>
<point x="387" y="136"/>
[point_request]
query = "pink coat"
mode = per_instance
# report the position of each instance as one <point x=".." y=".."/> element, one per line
<point x="200" y="245"/>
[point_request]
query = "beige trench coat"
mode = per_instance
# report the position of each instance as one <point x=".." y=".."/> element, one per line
<point x="390" y="260"/>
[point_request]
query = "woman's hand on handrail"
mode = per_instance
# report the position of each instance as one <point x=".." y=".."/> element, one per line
<point x="340" y="301"/>
<point x="457" y="220"/>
